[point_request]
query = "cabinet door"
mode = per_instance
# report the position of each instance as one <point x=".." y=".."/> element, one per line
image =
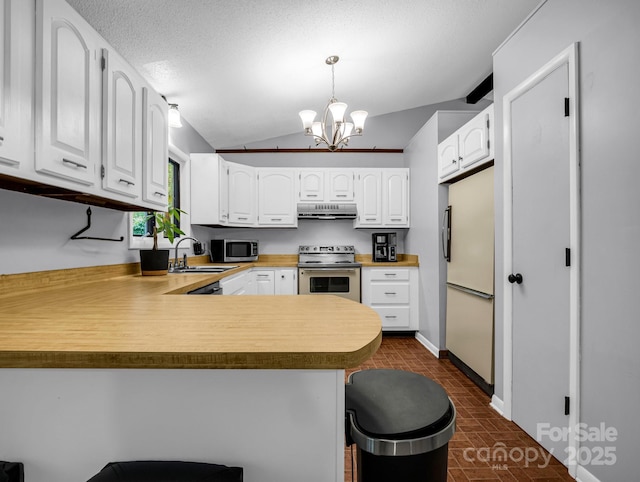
<point x="473" y="140"/>
<point x="121" y="127"/>
<point x="311" y="185"/>
<point x="223" y="193"/>
<point x="265" y="282"/>
<point x="448" y="157"/>
<point x="155" y="155"/>
<point x="16" y="58"/>
<point x="395" y="198"/>
<point x="369" y="198"/>
<point x="242" y="194"/>
<point x="286" y="281"/>
<point x="340" y="186"/>
<point x="277" y="197"/>
<point x="68" y="99"/>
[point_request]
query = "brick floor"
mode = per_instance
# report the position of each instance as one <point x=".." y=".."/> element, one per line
<point x="480" y="431"/>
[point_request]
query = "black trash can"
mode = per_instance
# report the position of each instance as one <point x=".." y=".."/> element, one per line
<point x="11" y="472"/>
<point x="401" y="423"/>
<point x="167" y="471"/>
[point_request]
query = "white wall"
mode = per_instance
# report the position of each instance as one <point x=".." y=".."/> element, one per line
<point x="609" y="69"/>
<point x="428" y="201"/>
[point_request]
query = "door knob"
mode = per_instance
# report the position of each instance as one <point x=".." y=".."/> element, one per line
<point x="515" y="278"/>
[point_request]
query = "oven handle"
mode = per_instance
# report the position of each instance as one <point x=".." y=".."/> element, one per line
<point x="349" y="270"/>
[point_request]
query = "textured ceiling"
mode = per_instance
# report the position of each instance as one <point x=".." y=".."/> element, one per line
<point x="241" y="70"/>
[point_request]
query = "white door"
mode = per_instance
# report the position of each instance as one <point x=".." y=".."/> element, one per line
<point x="340" y="186"/>
<point x="311" y="185"/>
<point x="68" y="98"/>
<point x="448" y="161"/>
<point x="122" y="127"/>
<point x="242" y="194"/>
<point x="541" y="220"/>
<point x="369" y="200"/>
<point x="155" y="156"/>
<point x="276" y="197"/>
<point x="395" y="197"/>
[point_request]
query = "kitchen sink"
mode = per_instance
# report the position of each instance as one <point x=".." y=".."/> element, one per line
<point x="203" y="269"/>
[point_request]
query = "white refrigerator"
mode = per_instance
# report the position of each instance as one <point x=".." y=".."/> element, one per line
<point x="468" y="245"/>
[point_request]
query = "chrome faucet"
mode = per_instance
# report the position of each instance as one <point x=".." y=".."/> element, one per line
<point x="175" y="261"/>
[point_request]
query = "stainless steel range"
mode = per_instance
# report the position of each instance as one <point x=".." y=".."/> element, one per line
<point x="329" y="270"/>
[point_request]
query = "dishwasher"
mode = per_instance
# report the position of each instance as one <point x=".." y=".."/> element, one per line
<point x="210" y="289"/>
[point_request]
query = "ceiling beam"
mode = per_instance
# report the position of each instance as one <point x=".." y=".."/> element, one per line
<point x="481" y="90"/>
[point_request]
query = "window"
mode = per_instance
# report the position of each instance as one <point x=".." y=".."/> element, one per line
<point x="142" y="226"/>
<point x="178" y="187"/>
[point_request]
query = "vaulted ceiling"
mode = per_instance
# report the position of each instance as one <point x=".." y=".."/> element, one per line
<point x="241" y="70"/>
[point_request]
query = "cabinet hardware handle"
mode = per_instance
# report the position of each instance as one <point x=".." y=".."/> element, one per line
<point x="389" y="293"/>
<point x="73" y="163"/>
<point x="390" y="316"/>
<point x="341" y="195"/>
<point x="370" y="219"/>
<point x="312" y="195"/>
<point x="460" y="158"/>
<point x="1" y="139"/>
<point x="158" y="193"/>
<point x="276" y="219"/>
<point x="453" y="161"/>
<point x="242" y="219"/>
<point x="396" y="219"/>
<point x="128" y="183"/>
<point x="264" y="276"/>
<point x="391" y="274"/>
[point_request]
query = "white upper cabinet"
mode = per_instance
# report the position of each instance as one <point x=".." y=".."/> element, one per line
<point x="395" y="197"/>
<point x="68" y="99"/>
<point x="155" y="156"/>
<point x="277" y="197"/>
<point x="311" y="185"/>
<point x="16" y="81"/>
<point x="209" y="190"/>
<point x="121" y="127"/>
<point x="473" y="139"/>
<point x="469" y="147"/>
<point x="369" y="198"/>
<point x="448" y="156"/>
<point x="242" y="194"/>
<point x="382" y="197"/>
<point x="341" y="185"/>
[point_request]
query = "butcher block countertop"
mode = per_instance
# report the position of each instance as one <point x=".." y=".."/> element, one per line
<point x="85" y="319"/>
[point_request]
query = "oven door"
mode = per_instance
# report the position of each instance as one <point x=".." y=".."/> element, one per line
<point x="343" y="282"/>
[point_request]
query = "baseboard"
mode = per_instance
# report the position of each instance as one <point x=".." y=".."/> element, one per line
<point x="583" y="475"/>
<point x="428" y="345"/>
<point x="497" y="405"/>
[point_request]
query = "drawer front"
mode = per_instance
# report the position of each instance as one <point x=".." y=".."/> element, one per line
<point x="390" y="293"/>
<point x="395" y="317"/>
<point x="391" y="274"/>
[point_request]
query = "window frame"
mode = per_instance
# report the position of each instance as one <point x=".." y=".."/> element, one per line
<point x="146" y="242"/>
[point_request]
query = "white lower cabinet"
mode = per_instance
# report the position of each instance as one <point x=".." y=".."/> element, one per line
<point x="237" y="284"/>
<point x="264" y="281"/>
<point x="286" y="281"/>
<point x="393" y="293"/>
<point x="276" y="281"/>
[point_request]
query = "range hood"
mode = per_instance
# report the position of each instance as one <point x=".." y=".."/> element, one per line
<point x="327" y="211"/>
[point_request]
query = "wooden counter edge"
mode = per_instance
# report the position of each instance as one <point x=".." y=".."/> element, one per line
<point x="266" y="360"/>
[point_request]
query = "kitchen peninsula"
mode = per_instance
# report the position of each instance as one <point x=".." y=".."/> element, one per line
<point x="126" y="368"/>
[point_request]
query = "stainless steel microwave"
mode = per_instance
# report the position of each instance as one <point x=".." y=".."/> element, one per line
<point x="233" y="250"/>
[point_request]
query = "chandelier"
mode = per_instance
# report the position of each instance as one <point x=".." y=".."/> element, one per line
<point x="337" y="133"/>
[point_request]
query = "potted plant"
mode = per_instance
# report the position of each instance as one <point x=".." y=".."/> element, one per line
<point x="154" y="262"/>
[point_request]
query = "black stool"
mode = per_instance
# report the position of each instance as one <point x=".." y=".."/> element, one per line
<point x="11" y="472"/>
<point x="163" y="471"/>
<point x="401" y="423"/>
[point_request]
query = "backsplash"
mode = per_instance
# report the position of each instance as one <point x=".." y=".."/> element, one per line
<point x="286" y="241"/>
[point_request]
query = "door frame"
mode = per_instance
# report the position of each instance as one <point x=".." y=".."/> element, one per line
<point x="568" y="56"/>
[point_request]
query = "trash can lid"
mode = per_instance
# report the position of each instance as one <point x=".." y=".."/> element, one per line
<point x="396" y="403"/>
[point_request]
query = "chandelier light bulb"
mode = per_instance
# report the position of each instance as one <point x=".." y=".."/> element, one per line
<point x="359" y="116"/>
<point x="307" y="117"/>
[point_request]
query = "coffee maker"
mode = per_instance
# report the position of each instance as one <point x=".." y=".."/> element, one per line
<point x="384" y="247"/>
